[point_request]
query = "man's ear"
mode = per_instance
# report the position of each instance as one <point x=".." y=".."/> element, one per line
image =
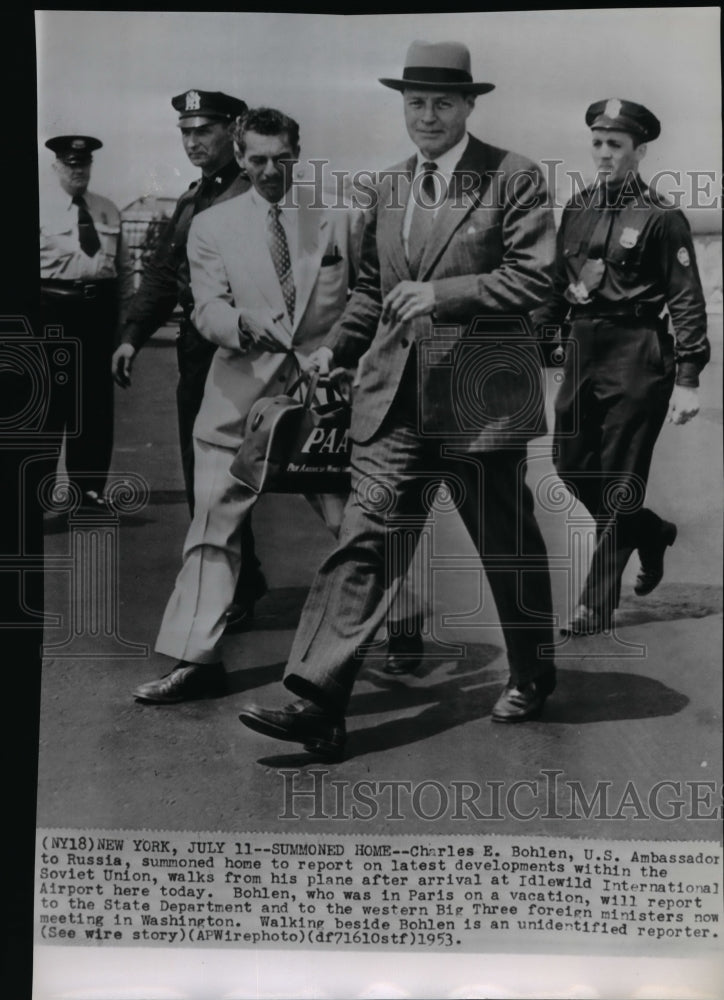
<point x="641" y="151"/>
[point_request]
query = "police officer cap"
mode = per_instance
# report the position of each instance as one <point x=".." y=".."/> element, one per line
<point x="75" y="150"/>
<point x="624" y="116"/>
<point x="198" y="107"/>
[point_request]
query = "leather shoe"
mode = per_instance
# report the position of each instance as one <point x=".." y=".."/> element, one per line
<point x="93" y="503"/>
<point x="241" y="612"/>
<point x="186" y="682"/>
<point x="586" y="621"/>
<point x="302" y="721"/>
<point x="524" y="702"/>
<point x="404" y="654"/>
<point x="652" y="560"/>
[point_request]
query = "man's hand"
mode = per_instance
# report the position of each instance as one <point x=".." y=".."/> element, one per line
<point x="318" y="361"/>
<point x="122" y="364"/>
<point x="261" y="336"/>
<point x="408" y="300"/>
<point x="684" y="404"/>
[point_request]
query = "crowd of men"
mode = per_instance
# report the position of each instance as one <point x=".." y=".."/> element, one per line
<point x="460" y="240"/>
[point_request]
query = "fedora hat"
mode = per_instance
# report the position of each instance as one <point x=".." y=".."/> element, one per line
<point x="438" y="66"/>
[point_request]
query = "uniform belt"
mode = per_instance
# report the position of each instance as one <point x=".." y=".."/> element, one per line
<point x="81" y="290"/>
<point x="640" y="311"/>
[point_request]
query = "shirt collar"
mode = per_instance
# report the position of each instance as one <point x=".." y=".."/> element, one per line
<point x="446" y="162"/>
<point x="262" y="206"/>
<point x="222" y="177"/>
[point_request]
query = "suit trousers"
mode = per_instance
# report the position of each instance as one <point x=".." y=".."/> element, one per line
<point x="194" y="354"/>
<point x="195" y="616"/>
<point x="619" y="377"/>
<point x="394" y="477"/>
<point x="89" y="408"/>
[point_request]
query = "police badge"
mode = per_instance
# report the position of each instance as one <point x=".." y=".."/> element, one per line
<point x="629" y="237"/>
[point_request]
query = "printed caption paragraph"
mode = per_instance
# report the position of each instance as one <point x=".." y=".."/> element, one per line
<point x="447" y="893"/>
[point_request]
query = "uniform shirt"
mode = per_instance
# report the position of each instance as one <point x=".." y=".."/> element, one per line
<point x="445" y="166"/>
<point x="166" y="281"/>
<point x="649" y="262"/>
<point x="61" y="258"/>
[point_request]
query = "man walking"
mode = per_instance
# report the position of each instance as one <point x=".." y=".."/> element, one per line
<point x="270" y="274"/>
<point x="460" y="237"/>
<point x="625" y="256"/>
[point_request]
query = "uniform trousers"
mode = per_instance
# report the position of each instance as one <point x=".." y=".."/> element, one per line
<point x="195" y="616"/>
<point x="85" y="414"/>
<point x="394" y="477"/>
<point x="619" y="375"/>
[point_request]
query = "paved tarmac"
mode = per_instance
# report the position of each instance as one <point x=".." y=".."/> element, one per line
<point x="632" y="709"/>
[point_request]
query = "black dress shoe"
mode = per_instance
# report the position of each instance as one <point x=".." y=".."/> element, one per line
<point x="652" y="560"/>
<point x="586" y="621"/>
<point x="186" y="682"/>
<point x="241" y="613"/>
<point x="524" y="702"/>
<point x="302" y="721"/>
<point x="404" y="654"/>
<point x="93" y="503"/>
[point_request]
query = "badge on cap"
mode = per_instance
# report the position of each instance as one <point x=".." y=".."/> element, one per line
<point x="629" y="237"/>
<point x="613" y="108"/>
<point x="682" y="255"/>
<point x="193" y="101"/>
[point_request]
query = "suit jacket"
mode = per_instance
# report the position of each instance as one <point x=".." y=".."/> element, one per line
<point x="233" y="278"/>
<point x="490" y="259"/>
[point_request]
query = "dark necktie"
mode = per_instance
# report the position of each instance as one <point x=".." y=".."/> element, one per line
<point x="423" y="217"/>
<point x="90" y="244"/>
<point x="279" y="249"/>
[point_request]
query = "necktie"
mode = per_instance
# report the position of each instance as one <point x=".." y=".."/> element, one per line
<point x="423" y="217"/>
<point x="279" y="249"/>
<point x="90" y="244"/>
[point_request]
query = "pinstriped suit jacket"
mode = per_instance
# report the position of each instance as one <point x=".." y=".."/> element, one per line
<point x="490" y="259"/>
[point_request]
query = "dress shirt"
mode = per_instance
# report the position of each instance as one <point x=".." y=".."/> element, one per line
<point x="446" y="164"/>
<point x="290" y="223"/>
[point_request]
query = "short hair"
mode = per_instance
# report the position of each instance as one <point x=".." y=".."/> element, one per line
<point x="265" y="121"/>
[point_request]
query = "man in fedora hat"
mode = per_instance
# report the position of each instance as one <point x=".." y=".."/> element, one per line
<point x="624" y="256"/>
<point x="86" y="276"/>
<point x="205" y="121"/>
<point x="457" y="250"/>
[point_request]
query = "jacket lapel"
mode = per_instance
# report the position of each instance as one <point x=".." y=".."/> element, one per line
<point x="255" y="260"/>
<point x="313" y="227"/>
<point x="462" y="198"/>
<point x="394" y="194"/>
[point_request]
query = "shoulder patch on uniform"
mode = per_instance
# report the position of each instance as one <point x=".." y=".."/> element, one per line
<point x="682" y="255"/>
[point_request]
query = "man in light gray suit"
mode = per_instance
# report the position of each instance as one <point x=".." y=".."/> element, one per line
<point x="457" y="251"/>
<point x="270" y="275"/>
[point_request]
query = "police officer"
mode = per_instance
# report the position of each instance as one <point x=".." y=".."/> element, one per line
<point x="205" y="119"/>
<point x="625" y="260"/>
<point x="86" y="276"/>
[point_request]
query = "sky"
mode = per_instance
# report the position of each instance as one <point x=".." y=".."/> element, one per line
<point x="112" y="74"/>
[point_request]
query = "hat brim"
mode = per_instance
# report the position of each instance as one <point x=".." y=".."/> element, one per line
<point x="464" y="88"/>
<point x="194" y="121"/>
